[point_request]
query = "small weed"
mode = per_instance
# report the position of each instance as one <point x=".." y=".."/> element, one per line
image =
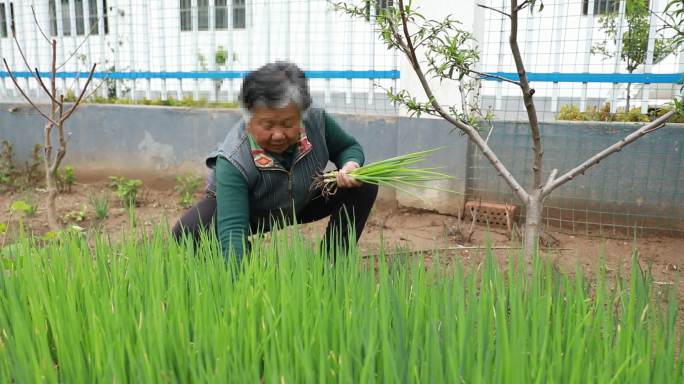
<point x="125" y="189"/>
<point x="100" y="205"/>
<point x="186" y="186"/>
<point x="76" y="216"/>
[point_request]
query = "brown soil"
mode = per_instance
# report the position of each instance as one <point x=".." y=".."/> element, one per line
<point x="399" y="228"/>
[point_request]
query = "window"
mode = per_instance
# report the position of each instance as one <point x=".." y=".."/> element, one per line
<point x="79" y="13"/>
<point x="379" y="5"/>
<point x="92" y="15"/>
<point x="78" y="4"/>
<point x="239" y="14"/>
<point x="4" y="24"/>
<point x="601" y="7"/>
<point x="221" y="14"/>
<point x="383" y="4"/>
<point x="203" y="15"/>
<point x="185" y="15"/>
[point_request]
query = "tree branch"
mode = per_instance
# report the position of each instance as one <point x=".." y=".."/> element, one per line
<point x="92" y="29"/>
<point x="61" y="151"/>
<point x="80" y="97"/>
<point x="36" y="75"/>
<point x="527" y="99"/>
<point x="42" y="84"/>
<point x="495" y="10"/>
<point x="551" y="178"/>
<point x="28" y="99"/>
<point x="522" y="5"/>
<point x="580" y="169"/>
<point x="35" y="19"/>
<point x="469" y="130"/>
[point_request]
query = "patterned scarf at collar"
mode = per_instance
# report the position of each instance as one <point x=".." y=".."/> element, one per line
<point x="263" y="159"/>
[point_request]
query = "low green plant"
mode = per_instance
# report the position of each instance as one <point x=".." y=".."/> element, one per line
<point x="23" y="208"/>
<point x="14" y="176"/>
<point x="186" y="186"/>
<point x="572" y="112"/>
<point x="8" y="169"/>
<point x="100" y="204"/>
<point x="126" y="190"/>
<point x="65" y="179"/>
<point x="32" y="175"/>
<point x="186" y="101"/>
<point x="77" y="215"/>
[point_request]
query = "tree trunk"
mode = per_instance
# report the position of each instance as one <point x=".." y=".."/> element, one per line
<point x="629" y="88"/>
<point x="52" y="196"/>
<point x="533" y="217"/>
<point x="217" y="90"/>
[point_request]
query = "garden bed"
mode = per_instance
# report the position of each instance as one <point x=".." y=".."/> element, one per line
<point x="398" y="227"/>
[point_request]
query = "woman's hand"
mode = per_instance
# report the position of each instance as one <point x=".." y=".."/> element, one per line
<point x="343" y="178"/>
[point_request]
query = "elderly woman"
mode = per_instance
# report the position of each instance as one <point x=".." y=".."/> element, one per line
<point x="264" y="170"/>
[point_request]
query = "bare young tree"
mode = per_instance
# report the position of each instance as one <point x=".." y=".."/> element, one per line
<point x="54" y="119"/>
<point x="449" y="53"/>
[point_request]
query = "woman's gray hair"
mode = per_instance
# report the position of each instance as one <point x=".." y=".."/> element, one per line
<point x="275" y="85"/>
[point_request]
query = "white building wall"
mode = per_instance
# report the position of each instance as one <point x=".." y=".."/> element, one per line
<point x="145" y="36"/>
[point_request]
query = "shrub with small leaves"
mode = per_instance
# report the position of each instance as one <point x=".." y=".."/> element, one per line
<point x="65" y="179"/>
<point x="186" y="186"/>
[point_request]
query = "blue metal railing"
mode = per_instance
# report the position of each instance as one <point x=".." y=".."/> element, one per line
<point x="643" y="78"/>
<point x="552" y="77"/>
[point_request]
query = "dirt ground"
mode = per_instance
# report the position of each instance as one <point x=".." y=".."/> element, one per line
<point x="399" y="228"/>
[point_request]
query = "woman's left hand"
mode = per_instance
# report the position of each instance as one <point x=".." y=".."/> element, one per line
<point x="343" y="178"/>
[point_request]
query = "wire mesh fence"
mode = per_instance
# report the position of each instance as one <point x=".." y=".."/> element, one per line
<point x="639" y="190"/>
<point x="589" y="61"/>
<point x="199" y="49"/>
<point x="583" y="56"/>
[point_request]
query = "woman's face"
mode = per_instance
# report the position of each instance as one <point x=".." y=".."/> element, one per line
<point x="275" y="129"/>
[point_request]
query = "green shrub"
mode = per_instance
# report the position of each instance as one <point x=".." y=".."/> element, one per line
<point x="126" y="190"/>
<point x="65" y="179"/>
<point x="571" y="112"/>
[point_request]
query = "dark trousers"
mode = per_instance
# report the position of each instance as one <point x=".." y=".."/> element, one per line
<point x="349" y="206"/>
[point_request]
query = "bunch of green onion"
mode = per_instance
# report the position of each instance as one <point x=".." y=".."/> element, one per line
<point x="395" y="172"/>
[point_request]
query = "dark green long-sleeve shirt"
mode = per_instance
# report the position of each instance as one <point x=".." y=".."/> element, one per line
<point x="232" y="191"/>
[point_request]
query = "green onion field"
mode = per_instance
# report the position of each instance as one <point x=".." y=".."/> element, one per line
<point x="81" y="309"/>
